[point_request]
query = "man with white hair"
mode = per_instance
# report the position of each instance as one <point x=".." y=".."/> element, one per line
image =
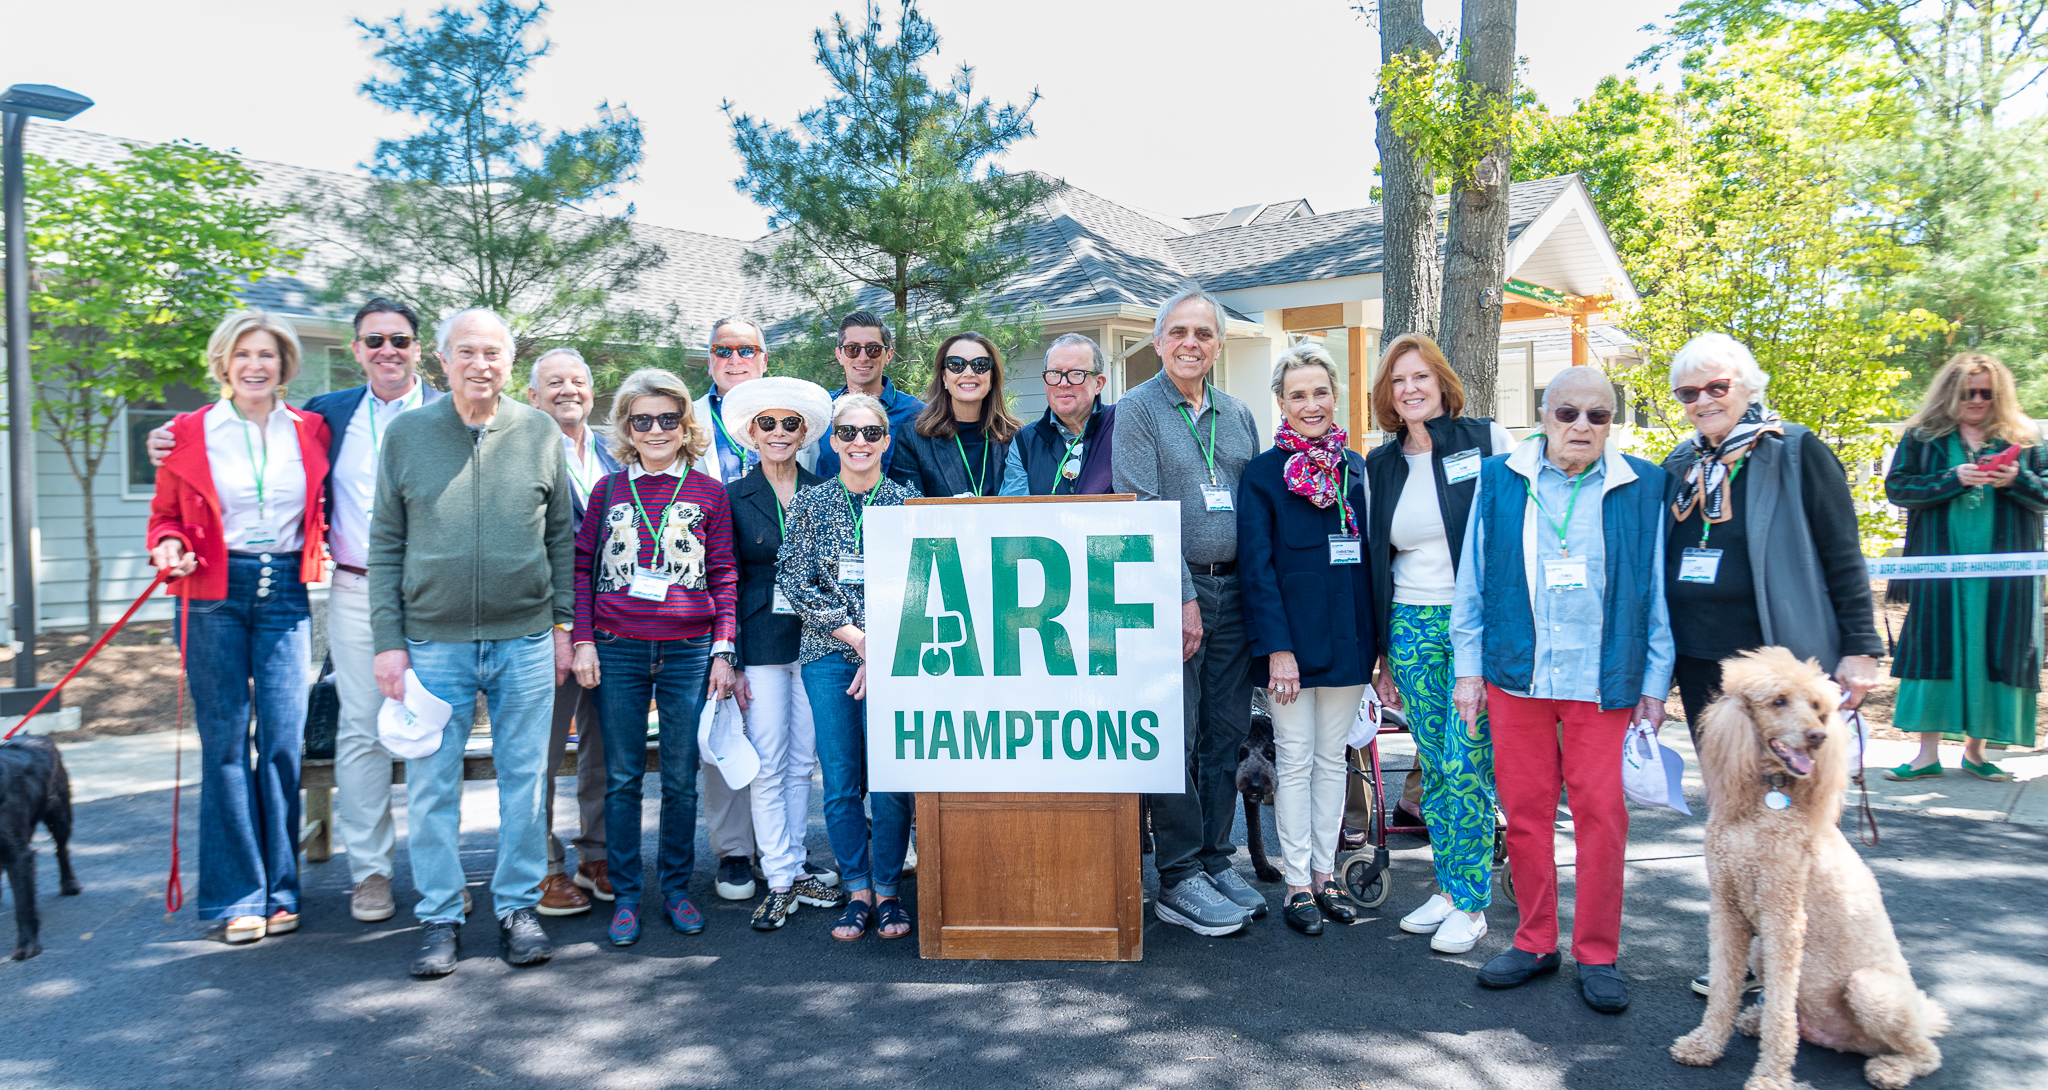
<point x="472" y="589"/>
<point x="1560" y="633"/>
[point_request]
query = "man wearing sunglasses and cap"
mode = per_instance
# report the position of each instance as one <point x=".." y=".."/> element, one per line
<point x="865" y="349"/>
<point x="1560" y="634"/>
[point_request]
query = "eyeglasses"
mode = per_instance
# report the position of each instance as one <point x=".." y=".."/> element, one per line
<point x="873" y="433"/>
<point x="400" y="341"/>
<point x="746" y="351"/>
<point x="1599" y="418"/>
<point x="853" y="351"/>
<point x="1066" y="378"/>
<point x="645" y="422"/>
<point x="1716" y="389"/>
<point x="790" y="424"/>
<point x="1979" y="395"/>
<point x="981" y="364"/>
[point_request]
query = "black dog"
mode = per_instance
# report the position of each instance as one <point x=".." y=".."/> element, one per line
<point x="1256" y="780"/>
<point x="33" y="788"/>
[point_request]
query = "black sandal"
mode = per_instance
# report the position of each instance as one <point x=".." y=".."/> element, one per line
<point x="893" y="913"/>
<point x="857" y="914"/>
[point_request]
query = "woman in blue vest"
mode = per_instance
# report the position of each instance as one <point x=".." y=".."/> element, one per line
<point x="961" y="441"/>
<point x="1420" y="484"/>
<point x="1308" y="604"/>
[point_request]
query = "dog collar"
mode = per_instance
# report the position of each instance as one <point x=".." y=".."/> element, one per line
<point x="1776" y="798"/>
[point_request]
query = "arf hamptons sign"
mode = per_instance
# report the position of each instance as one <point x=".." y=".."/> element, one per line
<point x="1024" y="647"/>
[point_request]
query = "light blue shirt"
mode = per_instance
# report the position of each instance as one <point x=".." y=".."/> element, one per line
<point x="1568" y="622"/>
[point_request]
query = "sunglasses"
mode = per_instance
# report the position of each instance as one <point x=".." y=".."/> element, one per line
<point x="853" y="351"/>
<point x="644" y="422"/>
<point x="873" y="433"/>
<point x="957" y="364"/>
<point x="790" y="424"/>
<point x="725" y="351"/>
<point x="400" y="341"/>
<point x="1716" y="389"/>
<point x="1979" y="395"/>
<point x="1599" y="418"/>
<point x="1067" y="378"/>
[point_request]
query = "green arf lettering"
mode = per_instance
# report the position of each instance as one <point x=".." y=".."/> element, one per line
<point x="984" y="741"/>
<point x="1014" y="738"/>
<point x="1050" y="722"/>
<point x="1011" y="619"/>
<point x="1105" y="740"/>
<point x="943" y="642"/>
<point x="942" y="736"/>
<point x="1147" y="745"/>
<point x="914" y="735"/>
<point x="1105" y="613"/>
<point x="1080" y="752"/>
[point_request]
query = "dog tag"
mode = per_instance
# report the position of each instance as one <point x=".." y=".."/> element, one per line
<point x="1568" y="573"/>
<point x="853" y="568"/>
<point x="1462" y="466"/>
<point x="782" y="606"/>
<point x="1344" y="549"/>
<point x="648" y="586"/>
<point x="1699" y="565"/>
<point x="1777" y="800"/>
<point x="1218" y="498"/>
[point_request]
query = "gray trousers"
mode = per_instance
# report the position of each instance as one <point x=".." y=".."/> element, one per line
<point x="1191" y="831"/>
<point x="577" y="705"/>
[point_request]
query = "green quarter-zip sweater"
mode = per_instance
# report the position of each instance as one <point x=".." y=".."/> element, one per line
<point x="471" y="538"/>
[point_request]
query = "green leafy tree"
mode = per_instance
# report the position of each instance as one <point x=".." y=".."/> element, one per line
<point x="481" y="207"/>
<point x="132" y="264"/>
<point x="1608" y="140"/>
<point x="890" y="185"/>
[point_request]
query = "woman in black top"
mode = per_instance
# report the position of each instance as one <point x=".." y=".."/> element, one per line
<point x="775" y="418"/>
<point x="961" y="441"/>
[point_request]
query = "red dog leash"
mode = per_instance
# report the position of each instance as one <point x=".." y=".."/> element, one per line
<point x="96" y="649"/>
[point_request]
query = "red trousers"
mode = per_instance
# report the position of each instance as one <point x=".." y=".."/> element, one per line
<point x="1538" y="746"/>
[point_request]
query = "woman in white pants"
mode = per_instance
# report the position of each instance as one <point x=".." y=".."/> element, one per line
<point x="1308" y="603"/>
<point x="777" y="418"/>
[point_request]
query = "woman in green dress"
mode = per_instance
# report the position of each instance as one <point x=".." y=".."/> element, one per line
<point x="1969" y="661"/>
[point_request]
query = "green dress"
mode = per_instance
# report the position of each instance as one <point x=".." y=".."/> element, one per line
<point x="1972" y="705"/>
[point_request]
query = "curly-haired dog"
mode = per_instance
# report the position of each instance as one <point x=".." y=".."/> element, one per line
<point x="34" y="788"/>
<point x="1789" y="893"/>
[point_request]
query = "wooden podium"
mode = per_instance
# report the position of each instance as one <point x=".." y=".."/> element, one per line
<point x="1029" y="877"/>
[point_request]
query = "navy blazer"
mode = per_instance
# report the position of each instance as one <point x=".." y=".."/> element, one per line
<point x="606" y="466"/>
<point x="936" y="468"/>
<point x="338" y="407"/>
<point x="1294" y="598"/>
<point x="766" y="637"/>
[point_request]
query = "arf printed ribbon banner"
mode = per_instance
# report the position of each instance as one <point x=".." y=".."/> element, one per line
<point x="1964" y="566"/>
<point x="1025" y="647"/>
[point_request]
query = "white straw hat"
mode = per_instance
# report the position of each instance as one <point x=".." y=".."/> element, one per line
<point x="752" y="398"/>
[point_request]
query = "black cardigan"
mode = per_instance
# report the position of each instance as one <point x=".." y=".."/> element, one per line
<point x="766" y="638"/>
<point x="1386" y="471"/>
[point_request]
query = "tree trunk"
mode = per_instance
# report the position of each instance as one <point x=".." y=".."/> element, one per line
<point x="1476" y="251"/>
<point x="1412" y="280"/>
<point x="92" y="554"/>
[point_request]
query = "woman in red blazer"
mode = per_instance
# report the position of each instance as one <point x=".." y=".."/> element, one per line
<point x="237" y="523"/>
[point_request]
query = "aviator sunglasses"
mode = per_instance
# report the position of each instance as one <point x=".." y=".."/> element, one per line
<point x="400" y="341"/>
<point x="957" y="364"/>
<point x="1599" y="418"/>
<point x="645" y="422"/>
<point x="1715" y="389"/>
<point x="853" y="351"/>
<point x="725" y="351"/>
<point x="1979" y="395"/>
<point x="873" y="433"/>
<point x="790" y="424"/>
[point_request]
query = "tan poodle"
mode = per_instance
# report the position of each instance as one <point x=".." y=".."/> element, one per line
<point x="1785" y="879"/>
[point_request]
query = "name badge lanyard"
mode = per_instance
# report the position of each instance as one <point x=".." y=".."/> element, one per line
<point x="1346" y="546"/>
<point x="1707" y="528"/>
<point x="858" y="512"/>
<point x="1209" y="455"/>
<point x="583" y="480"/>
<point x="740" y="452"/>
<point x="1563" y="548"/>
<point x="262" y="468"/>
<point x="973" y="481"/>
<point x="653" y="529"/>
<point x="1060" y="472"/>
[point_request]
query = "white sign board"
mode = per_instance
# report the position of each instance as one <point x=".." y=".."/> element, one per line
<point x="1025" y="647"/>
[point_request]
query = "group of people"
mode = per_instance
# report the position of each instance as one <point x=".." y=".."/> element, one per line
<point x="706" y="557"/>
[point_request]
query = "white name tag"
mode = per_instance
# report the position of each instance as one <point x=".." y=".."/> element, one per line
<point x="782" y="605"/>
<point x="1344" y="549"/>
<point x="853" y="568"/>
<point x="258" y="539"/>
<point x="648" y="586"/>
<point x="1566" y="574"/>
<point x="1699" y="565"/>
<point x="1217" y="498"/>
<point x="1462" y="466"/>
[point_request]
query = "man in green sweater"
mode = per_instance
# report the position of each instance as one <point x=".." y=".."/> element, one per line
<point x="471" y="571"/>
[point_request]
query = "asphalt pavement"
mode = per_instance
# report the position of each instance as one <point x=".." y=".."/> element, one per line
<point x="124" y="998"/>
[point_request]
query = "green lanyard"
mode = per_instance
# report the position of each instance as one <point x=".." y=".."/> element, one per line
<point x="1562" y="548"/>
<point x="580" y="481"/>
<point x="262" y="468"/>
<point x="1209" y="455"/>
<point x="1344" y="507"/>
<point x="376" y="444"/>
<point x="859" y="512"/>
<point x="973" y="481"/>
<point x="718" y="418"/>
<point x="1059" y="469"/>
<point x="1707" y="528"/>
<point x="633" y="486"/>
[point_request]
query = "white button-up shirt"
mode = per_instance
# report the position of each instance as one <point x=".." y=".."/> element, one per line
<point x="260" y="477"/>
<point x="584" y="468"/>
<point x="355" y="473"/>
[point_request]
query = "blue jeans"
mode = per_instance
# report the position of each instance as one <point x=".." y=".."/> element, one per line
<point x="249" y="811"/>
<point x="673" y="674"/>
<point x="841" y="723"/>
<point x="517" y="678"/>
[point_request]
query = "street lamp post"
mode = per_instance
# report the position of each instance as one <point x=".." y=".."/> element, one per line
<point x="17" y="104"/>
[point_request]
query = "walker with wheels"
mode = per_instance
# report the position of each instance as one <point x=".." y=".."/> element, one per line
<point x="1362" y="871"/>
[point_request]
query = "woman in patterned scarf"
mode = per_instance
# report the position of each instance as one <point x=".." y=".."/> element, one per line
<point x="1308" y="604"/>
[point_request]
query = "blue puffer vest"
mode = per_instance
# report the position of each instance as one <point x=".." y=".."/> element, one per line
<point x="1630" y="516"/>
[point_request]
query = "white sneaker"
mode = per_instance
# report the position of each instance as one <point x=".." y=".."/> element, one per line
<point x="1429" y="917"/>
<point x="1458" y="933"/>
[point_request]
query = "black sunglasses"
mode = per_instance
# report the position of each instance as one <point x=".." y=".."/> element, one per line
<point x="853" y="351"/>
<point x="1689" y="394"/>
<point x="399" y="341"/>
<point x="1599" y="418"/>
<point x="1067" y="378"/>
<point x="873" y="433"/>
<point x="1979" y="395"/>
<point x="725" y="351"/>
<point x="981" y="364"/>
<point x="645" y="422"/>
<point x="790" y="424"/>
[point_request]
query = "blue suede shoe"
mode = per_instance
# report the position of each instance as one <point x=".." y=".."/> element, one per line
<point x="685" y="916"/>
<point x="625" y="930"/>
<point x="1516" y="967"/>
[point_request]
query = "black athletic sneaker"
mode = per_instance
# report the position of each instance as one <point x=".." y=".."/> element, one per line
<point x="440" y="944"/>
<point x="735" y="878"/>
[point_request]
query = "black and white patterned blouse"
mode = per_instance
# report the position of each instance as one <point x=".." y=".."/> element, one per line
<point x="821" y="528"/>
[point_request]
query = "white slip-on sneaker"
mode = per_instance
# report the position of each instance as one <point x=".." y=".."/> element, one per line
<point x="1458" y="933"/>
<point x="1425" y="920"/>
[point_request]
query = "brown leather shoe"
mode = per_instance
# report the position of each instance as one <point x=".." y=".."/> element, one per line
<point x="560" y="897"/>
<point x="595" y="878"/>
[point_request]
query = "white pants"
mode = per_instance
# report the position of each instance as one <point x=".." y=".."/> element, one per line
<point x="1308" y="758"/>
<point x="362" y="767"/>
<point x="779" y="725"/>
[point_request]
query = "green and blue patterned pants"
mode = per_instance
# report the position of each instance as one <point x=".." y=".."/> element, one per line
<point x="1457" y="772"/>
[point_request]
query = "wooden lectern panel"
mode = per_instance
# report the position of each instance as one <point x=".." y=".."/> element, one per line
<point x="1045" y="877"/>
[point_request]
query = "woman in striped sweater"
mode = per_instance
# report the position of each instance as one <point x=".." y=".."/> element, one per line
<point x="656" y="591"/>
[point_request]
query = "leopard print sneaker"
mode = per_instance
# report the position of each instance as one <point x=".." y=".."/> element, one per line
<point x="810" y="891"/>
<point x="774" y="910"/>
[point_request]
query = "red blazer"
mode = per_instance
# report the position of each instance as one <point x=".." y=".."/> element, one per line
<point x="187" y="508"/>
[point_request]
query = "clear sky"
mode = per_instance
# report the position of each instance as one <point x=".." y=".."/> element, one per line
<point x="1179" y="106"/>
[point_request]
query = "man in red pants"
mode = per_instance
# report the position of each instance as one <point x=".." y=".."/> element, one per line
<point x="1560" y="633"/>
